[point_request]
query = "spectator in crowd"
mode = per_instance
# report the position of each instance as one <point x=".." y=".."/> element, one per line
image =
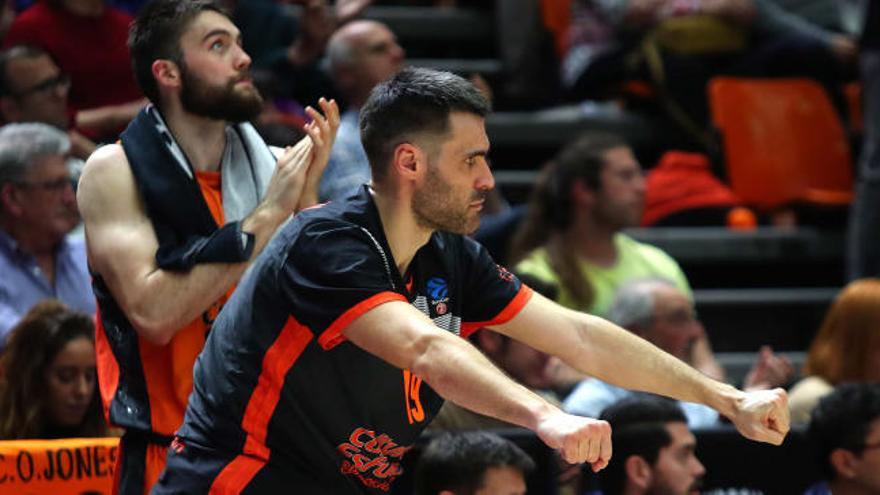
<point x="47" y="377"/>
<point x="472" y="463"/>
<point x="679" y="45"/>
<point x="361" y="55"/>
<point x="33" y="89"/>
<point x="656" y="310"/>
<point x="845" y="431"/>
<point x="571" y="236"/>
<point x="38" y="259"/>
<point x="175" y="213"/>
<point x="653" y="449"/>
<point x="846" y="348"/>
<point x="87" y="39"/>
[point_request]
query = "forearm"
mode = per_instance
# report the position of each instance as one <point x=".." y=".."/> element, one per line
<point x="773" y="20"/>
<point x="108" y="118"/>
<point x="262" y="224"/>
<point x="170" y="300"/>
<point x="616" y="356"/>
<point x="460" y="373"/>
<point x="165" y="301"/>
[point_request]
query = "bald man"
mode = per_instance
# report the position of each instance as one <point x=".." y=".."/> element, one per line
<point x="361" y="55"/>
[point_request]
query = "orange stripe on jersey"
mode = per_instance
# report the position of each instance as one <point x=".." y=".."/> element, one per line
<point x="108" y="378"/>
<point x="515" y="306"/>
<point x="333" y="335"/>
<point x="212" y="190"/>
<point x="278" y="360"/>
<point x="236" y="475"/>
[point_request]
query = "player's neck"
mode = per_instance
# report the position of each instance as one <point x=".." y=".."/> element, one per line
<point x="404" y="235"/>
<point x="203" y="140"/>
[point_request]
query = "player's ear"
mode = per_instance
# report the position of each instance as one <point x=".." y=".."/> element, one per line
<point x="844" y="463"/>
<point x="408" y="160"/>
<point x="638" y="472"/>
<point x="166" y="73"/>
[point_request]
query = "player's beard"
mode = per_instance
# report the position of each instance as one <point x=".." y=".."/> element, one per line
<point x="436" y="208"/>
<point x="219" y="102"/>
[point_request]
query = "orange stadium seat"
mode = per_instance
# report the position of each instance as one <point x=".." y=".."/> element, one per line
<point x="783" y="142"/>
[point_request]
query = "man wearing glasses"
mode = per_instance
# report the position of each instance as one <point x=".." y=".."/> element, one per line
<point x="38" y="209"/>
<point x="845" y="429"/>
<point x="33" y="89"/>
<point x="661" y="313"/>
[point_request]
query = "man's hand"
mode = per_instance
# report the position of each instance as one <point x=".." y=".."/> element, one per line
<point x="762" y="415"/>
<point x="288" y="180"/>
<point x="577" y="439"/>
<point x="347" y="10"/>
<point x="322" y="133"/>
<point x="770" y="370"/>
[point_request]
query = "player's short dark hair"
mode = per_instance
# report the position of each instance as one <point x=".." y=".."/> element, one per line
<point x="842" y="420"/>
<point x="416" y="101"/>
<point x="156" y="33"/>
<point x="459" y="461"/>
<point x="638" y="427"/>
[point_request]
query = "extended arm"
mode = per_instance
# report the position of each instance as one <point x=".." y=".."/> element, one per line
<point x="612" y="354"/>
<point x="399" y="334"/>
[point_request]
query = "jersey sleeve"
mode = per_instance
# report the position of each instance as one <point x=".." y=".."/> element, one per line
<point x="333" y="274"/>
<point x="493" y="295"/>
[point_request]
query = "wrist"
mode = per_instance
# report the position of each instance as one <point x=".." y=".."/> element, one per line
<point x="726" y="399"/>
<point x="266" y="217"/>
<point x="540" y="413"/>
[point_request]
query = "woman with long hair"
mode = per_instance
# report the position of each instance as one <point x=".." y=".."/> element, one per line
<point x="846" y="349"/>
<point x="48" y="387"/>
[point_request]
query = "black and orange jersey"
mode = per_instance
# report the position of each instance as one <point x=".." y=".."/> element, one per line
<point x="279" y="389"/>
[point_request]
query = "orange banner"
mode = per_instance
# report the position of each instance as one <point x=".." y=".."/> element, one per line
<point x="75" y="466"/>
